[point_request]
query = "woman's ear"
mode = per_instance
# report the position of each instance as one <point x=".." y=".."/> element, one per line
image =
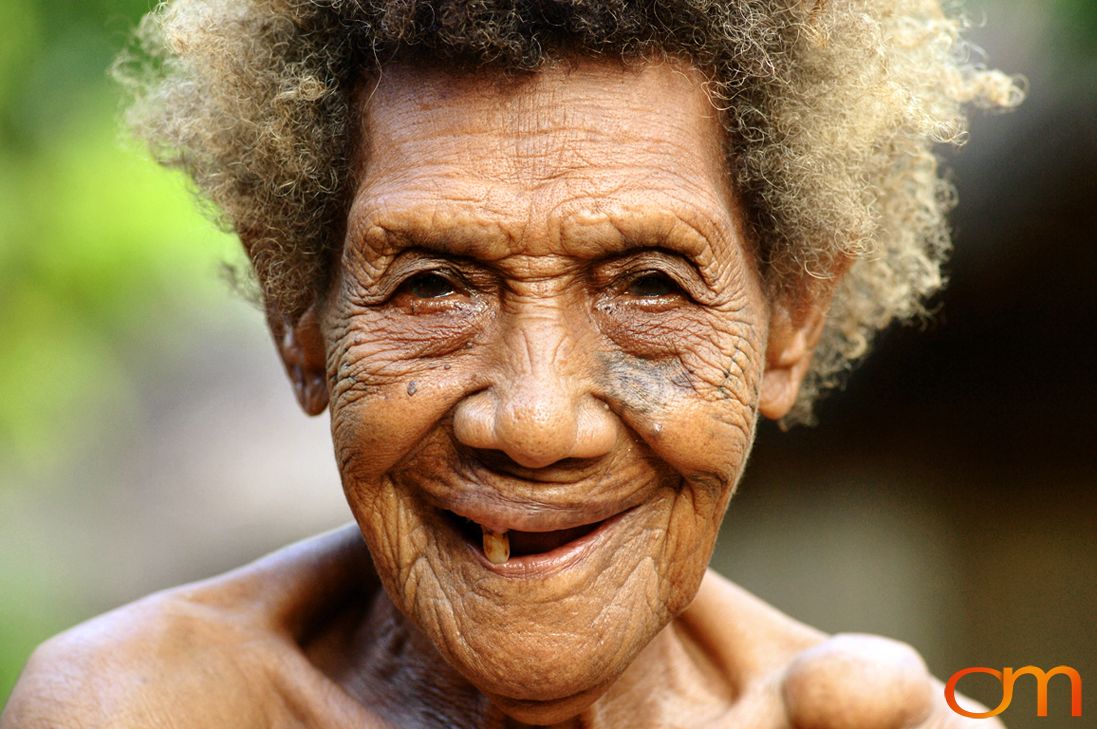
<point x="301" y="345"/>
<point x="793" y="334"/>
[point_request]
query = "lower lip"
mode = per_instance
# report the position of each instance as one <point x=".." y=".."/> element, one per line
<point x="561" y="558"/>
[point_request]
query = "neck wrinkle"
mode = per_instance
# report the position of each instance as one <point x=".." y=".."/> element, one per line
<point x="674" y="681"/>
<point x="400" y="675"/>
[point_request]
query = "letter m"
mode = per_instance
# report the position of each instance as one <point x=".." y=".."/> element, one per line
<point x="1010" y="676"/>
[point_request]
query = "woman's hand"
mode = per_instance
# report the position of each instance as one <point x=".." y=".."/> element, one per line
<point x="790" y="675"/>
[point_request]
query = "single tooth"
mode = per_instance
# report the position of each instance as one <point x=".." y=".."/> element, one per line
<point x="496" y="546"/>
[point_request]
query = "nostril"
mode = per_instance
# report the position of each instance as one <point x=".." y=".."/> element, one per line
<point x="474" y="420"/>
<point x="535" y="427"/>
<point x="496" y="460"/>
<point x="531" y="437"/>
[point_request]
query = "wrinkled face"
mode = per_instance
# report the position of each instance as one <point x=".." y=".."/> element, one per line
<point x="546" y="335"/>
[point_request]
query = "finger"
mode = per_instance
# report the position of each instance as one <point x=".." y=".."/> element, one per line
<point x="854" y="681"/>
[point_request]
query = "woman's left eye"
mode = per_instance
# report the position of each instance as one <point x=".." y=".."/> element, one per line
<point x="429" y="286"/>
<point x="653" y="284"/>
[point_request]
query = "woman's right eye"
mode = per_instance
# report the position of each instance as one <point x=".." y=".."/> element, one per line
<point x="428" y="286"/>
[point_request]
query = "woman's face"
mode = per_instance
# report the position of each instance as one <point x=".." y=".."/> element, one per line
<point x="546" y="322"/>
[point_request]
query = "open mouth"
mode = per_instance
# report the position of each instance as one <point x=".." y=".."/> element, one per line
<point x="500" y="547"/>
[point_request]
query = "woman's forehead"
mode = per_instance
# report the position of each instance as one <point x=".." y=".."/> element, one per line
<point x="590" y="151"/>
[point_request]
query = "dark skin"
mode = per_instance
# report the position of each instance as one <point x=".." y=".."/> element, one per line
<point x="546" y="323"/>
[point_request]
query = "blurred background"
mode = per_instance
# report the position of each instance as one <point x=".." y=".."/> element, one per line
<point x="147" y="435"/>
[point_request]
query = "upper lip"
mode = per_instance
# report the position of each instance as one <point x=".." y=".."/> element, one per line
<point x="500" y="495"/>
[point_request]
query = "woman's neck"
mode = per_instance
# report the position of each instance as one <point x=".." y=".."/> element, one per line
<point x="394" y="671"/>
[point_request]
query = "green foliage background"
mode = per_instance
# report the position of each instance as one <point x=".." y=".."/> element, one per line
<point x="98" y="249"/>
<point x="87" y="226"/>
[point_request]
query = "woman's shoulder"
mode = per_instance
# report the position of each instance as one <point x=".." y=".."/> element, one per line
<point x="219" y="650"/>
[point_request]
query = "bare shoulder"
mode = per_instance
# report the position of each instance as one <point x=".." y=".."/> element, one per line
<point x="131" y="666"/>
<point x="212" y="653"/>
<point x="819" y="680"/>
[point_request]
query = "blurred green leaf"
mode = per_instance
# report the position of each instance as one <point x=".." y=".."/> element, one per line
<point x="93" y="235"/>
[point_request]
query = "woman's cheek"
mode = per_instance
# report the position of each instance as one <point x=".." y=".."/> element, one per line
<point x="392" y="378"/>
<point x="378" y="414"/>
<point x="696" y="411"/>
<point x="692" y="399"/>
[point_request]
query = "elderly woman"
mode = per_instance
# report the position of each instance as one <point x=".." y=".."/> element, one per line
<point x="545" y="263"/>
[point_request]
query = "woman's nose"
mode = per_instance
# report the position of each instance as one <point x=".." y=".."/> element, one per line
<point x="540" y="414"/>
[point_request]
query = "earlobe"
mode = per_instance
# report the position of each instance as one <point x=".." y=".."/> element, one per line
<point x="792" y="340"/>
<point x="301" y="346"/>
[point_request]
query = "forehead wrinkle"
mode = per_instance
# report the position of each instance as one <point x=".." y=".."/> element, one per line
<point x="547" y="155"/>
<point x="545" y="124"/>
<point x="532" y="160"/>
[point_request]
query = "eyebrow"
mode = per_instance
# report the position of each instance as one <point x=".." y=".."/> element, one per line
<point x="475" y="236"/>
<point x="396" y="231"/>
<point x="653" y="228"/>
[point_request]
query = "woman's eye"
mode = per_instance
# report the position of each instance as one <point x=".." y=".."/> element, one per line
<point x="428" y="286"/>
<point x="652" y="284"/>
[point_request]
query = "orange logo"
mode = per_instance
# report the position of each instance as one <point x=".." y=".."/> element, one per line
<point x="1009" y="676"/>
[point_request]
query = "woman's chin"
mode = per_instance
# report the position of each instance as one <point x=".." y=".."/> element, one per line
<point x="544" y="712"/>
<point x="535" y="672"/>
